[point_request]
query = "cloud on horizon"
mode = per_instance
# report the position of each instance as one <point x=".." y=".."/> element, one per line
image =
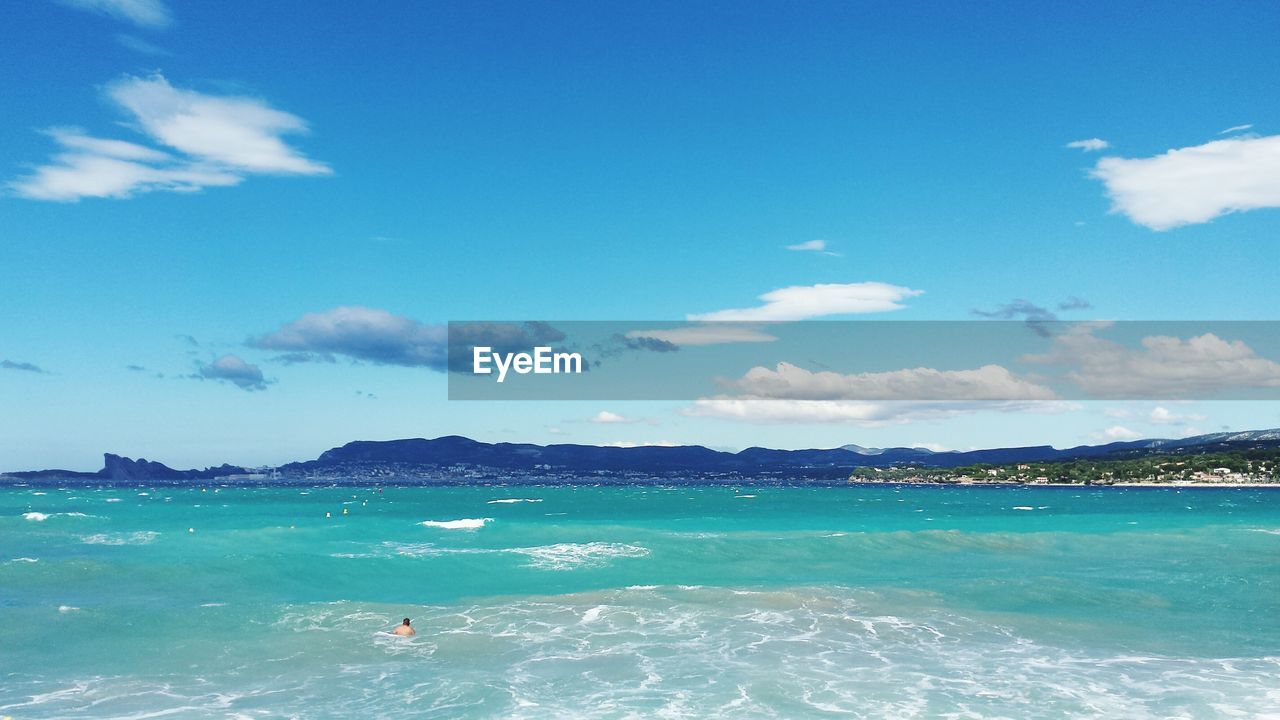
<point x="854" y="412"/>
<point x="802" y="302"/>
<point x="1163" y="366"/>
<point x="1192" y="185"/>
<point x="789" y="382"/>
<point x="212" y="141"/>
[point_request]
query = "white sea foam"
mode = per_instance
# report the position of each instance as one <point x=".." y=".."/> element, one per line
<point x="67" y="609"/>
<point x="511" y="501"/>
<point x="462" y="524"/>
<point x="569" y="556"/>
<point x="787" y="652"/>
<point x="140" y="537"/>
<point x="25" y="560"/>
<point x="1023" y="507"/>
<point x="41" y="517"/>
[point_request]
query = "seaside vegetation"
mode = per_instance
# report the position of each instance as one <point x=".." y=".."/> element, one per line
<point x="1252" y="466"/>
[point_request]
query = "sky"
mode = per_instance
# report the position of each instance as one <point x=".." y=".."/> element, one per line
<point x="234" y="231"/>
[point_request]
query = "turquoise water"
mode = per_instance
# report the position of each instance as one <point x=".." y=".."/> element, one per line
<point x="639" y="602"/>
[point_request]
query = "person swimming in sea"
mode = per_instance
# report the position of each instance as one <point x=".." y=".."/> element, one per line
<point x="404" y="629"/>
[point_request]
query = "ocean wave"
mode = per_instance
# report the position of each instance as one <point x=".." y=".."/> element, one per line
<point x="511" y="501"/>
<point x="140" y="537"/>
<point x="41" y="517"/>
<point x="461" y="524"/>
<point x="25" y="560"/>
<point x="716" y="652"/>
<point x="569" y="556"/>
<point x="560" y="556"/>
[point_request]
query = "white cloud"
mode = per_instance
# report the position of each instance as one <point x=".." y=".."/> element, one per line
<point x="852" y="412"/>
<point x="236" y="132"/>
<point x="1090" y="145"/>
<point x="1194" y="184"/>
<point x="1164" y="366"/>
<point x="800" y="302"/>
<point x="146" y="13"/>
<point x="139" y="45"/>
<point x="789" y="382"/>
<point x="709" y="334"/>
<point x="632" y="444"/>
<point x="1118" y="432"/>
<point x="605" y="417"/>
<point x="233" y="369"/>
<point x="1236" y="129"/>
<point x="814" y="246"/>
<point x="220" y="141"/>
<point x="1165" y="416"/>
<point x="362" y="333"/>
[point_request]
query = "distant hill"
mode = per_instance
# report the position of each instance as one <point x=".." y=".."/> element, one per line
<point x="453" y="452"/>
<point x="122" y="469"/>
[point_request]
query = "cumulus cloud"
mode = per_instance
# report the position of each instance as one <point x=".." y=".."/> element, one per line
<point x="1194" y="184"/>
<point x="789" y="382"/>
<point x="704" y="334"/>
<point x="144" y="13"/>
<point x="853" y="412"/>
<point x="790" y="394"/>
<point x="510" y="337"/>
<point x="1089" y="145"/>
<point x="800" y="302"/>
<point x="360" y="333"/>
<point x="1163" y="366"/>
<point x="24" y="366"/>
<point x="1118" y="432"/>
<point x="232" y="369"/>
<point x="213" y="141"/>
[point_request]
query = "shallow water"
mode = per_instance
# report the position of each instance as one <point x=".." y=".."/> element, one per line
<point x="868" y="602"/>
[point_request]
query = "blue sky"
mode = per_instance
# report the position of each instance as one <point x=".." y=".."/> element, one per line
<point x="443" y="161"/>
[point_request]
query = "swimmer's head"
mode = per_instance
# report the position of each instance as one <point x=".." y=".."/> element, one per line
<point x="406" y="621"/>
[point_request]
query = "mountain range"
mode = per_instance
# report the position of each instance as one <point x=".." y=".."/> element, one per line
<point x="456" y="454"/>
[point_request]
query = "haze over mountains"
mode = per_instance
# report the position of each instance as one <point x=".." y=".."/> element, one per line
<point x="533" y="462"/>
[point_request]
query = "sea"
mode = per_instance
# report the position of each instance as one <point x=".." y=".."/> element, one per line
<point x="677" y="601"/>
